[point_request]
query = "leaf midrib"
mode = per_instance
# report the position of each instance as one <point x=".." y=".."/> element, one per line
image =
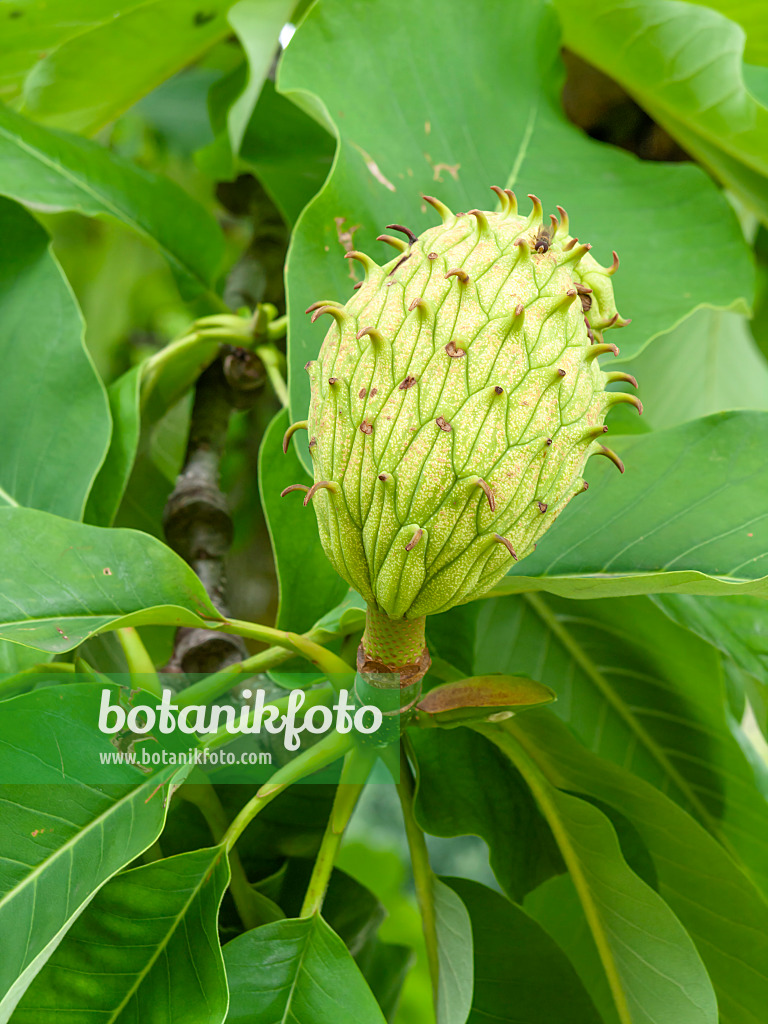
<point x="109" y="206"/>
<point x="596" y="677"/>
<point x="142" y="975"/>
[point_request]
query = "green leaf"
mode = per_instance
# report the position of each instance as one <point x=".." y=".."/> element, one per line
<point x="683" y="65"/>
<point x="643" y="692"/>
<point x="146" y="948"/>
<point x="483" y="697"/>
<point x="61" y="841"/>
<point x="94" y="77"/>
<point x="737" y="628"/>
<point x="723" y="913"/>
<point x="454" y="798"/>
<point x="748" y="14"/>
<point x="257" y="24"/>
<point x="296" y="970"/>
<point x="48" y="378"/>
<point x="714" y="364"/>
<point x="289" y="152"/>
<point x="61" y="582"/>
<point x="307" y="581"/>
<point x="52" y="170"/>
<point x="654" y="971"/>
<point x="688" y="516"/>
<point x="454" y="950"/>
<point x="30" y="28"/>
<point x="515" y="964"/>
<point x="653" y="214"/>
<point x="112" y="478"/>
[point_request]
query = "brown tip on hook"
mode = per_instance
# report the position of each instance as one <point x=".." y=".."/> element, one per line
<point x="406" y="231"/>
<point x="615" y="265"/>
<point x="542" y="506"/>
<point x="370" y="332"/>
<point x="443" y="423"/>
<point x="507" y="544"/>
<point x="598" y="350"/>
<point x="414" y="540"/>
<point x="488" y="493"/>
<point x="294" y="487"/>
<point x="299" y="425"/>
<point x="442" y="209"/>
<point x="336" y="312"/>
<point x="482" y="220"/>
<point x="502" y="197"/>
<point x="321" y="303"/>
<point x="618" y="377"/>
<point x="453" y="352"/>
<point x="396" y="243"/>
<point x="609" y="454"/>
<point x="462" y="275"/>
<point x="327" y="484"/>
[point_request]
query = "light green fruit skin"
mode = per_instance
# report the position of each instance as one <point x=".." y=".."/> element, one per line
<point x="430" y="475"/>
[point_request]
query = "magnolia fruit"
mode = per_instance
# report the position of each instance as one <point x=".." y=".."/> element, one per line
<point x="455" y="400"/>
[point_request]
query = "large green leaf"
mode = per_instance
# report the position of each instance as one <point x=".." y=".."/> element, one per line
<point x="32" y="28"/>
<point x="643" y="692"/>
<point x="61" y="841"/>
<point x="688" y="516"/>
<point x="724" y="915"/>
<point x="298" y="971"/>
<point x="738" y="628"/>
<point x="289" y="152"/>
<point x="654" y="972"/>
<point x="455" y="798"/>
<point x="750" y="14"/>
<point x="683" y="65"/>
<point x="257" y="24"/>
<point x="454" y="951"/>
<point x="146" y="948"/>
<point x="93" y="77"/>
<point x="61" y="582"/>
<point x="707" y="364"/>
<point x="112" y="479"/>
<point x="307" y="581"/>
<point x="654" y="215"/>
<point x="53" y="170"/>
<point x="54" y="418"/>
<point x="516" y="963"/>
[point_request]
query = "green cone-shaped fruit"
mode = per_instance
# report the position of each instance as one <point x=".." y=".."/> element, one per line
<point x="455" y="401"/>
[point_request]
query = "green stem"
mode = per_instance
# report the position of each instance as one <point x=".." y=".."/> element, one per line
<point x="321" y="695"/>
<point x="278" y="328"/>
<point x="206" y="799"/>
<point x="26" y="676"/>
<point x="422" y="872"/>
<point x="325" y="752"/>
<point x="140" y="665"/>
<point x="274" y="364"/>
<point x="357" y="766"/>
<point x="326" y="661"/>
<point x="209" y="689"/>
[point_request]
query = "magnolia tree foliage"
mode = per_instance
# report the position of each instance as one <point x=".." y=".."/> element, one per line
<point x="378" y="541"/>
